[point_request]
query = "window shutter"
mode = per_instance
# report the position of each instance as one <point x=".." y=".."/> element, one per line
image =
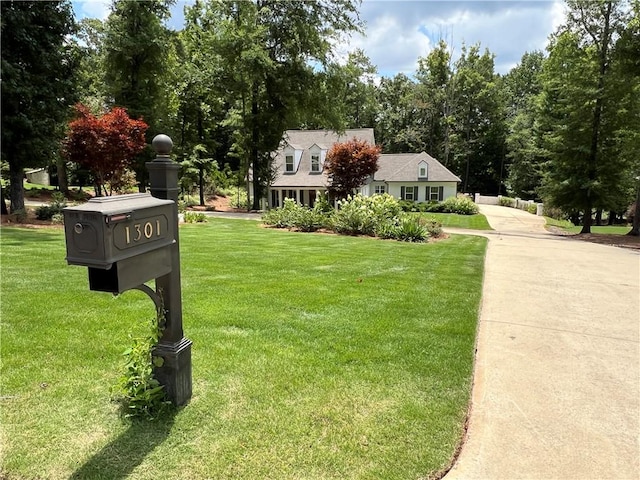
<point x="440" y="193"/>
<point x="415" y="194"/>
<point x="402" y="193"/>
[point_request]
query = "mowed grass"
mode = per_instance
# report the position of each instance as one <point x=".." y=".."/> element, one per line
<point x="314" y="356"/>
<point x="600" y="229"/>
<point x="453" y="220"/>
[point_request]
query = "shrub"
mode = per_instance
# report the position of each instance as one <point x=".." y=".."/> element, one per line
<point x="194" y="217"/>
<point x="360" y="215"/>
<point x="292" y="215"/>
<point x="460" y="205"/>
<point x="46" y="212"/>
<point x="238" y="199"/>
<point x="507" y="202"/>
<point x="433" y="226"/>
<point x="533" y="208"/>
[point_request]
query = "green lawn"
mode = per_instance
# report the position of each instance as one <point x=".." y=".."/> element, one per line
<point x="314" y="356"/>
<point x="605" y="229"/>
<point x="452" y="220"/>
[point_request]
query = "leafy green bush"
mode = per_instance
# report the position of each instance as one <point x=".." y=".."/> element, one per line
<point x="293" y="215"/>
<point x="194" y="217"/>
<point x="460" y="205"/>
<point x="507" y="202"/>
<point x="359" y="215"/>
<point x="46" y="212"/>
<point x="533" y="208"/>
<point x="238" y="199"/>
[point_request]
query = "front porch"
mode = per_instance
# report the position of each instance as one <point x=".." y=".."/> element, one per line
<point x="304" y="196"/>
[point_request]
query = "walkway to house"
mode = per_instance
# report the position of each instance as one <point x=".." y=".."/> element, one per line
<point x="557" y="375"/>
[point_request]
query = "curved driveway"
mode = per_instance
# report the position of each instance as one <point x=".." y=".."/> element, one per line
<point x="556" y="391"/>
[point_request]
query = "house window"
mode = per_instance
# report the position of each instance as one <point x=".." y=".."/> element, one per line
<point x="409" y="193"/>
<point x="379" y="189"/>
<point x="315" y="163"/>
<point x="422" y="171"/>
<point x="288" y="163"/>
<point x="435" y="194"/>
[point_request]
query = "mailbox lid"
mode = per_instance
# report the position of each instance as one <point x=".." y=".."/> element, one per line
<point x="120" y="204"/>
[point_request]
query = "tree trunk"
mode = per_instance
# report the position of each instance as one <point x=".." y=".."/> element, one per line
<point x="635" y="228"/>
<point x="201" y="185"/>
<point x="599" y="217"/>
<point x="586" y="219"/>
<point x="255" y="154"/>
<point x="613" y="216"/>
<point x="63" y="182"/>
<point x="16" y="188"/>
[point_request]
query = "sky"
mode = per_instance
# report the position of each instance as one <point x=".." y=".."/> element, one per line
<point x="397" y="33"/>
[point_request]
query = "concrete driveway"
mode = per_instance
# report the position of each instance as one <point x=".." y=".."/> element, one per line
<point x="556" y="391"/>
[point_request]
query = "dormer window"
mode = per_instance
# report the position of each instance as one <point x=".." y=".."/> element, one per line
<point x="423" y="170"/>
<point x="288" y="163"/>
<point x="315" y="163"/>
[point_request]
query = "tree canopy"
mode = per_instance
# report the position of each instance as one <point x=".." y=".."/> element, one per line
<point x="105" y="145"/>
<point x="38" y="85"/>
<point x="349" y="164"/>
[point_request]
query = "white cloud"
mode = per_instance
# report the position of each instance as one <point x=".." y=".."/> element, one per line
<point x="400" y="32"/>
<point x="91" y="9"/>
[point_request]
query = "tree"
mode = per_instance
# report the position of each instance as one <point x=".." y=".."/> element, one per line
<point x="266" y="52"/>
<point x="477" y="122"/>
<point x="584" y="108"/>
<point x="197" y="166"/>
<point x="525" y="151"/>
<point x="136" y="55"/>
<point x="38" y="85"/>
<point x="395" y="128"/>
<point x="349" y="165"/>
<point x="435" y="102"/>
<point x="353" y="91"/>
<point x="104" y="145"/>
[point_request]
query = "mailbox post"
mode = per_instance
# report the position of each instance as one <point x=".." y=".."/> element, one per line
<point x="128" y="240"/>
<point x="173" y="347"/>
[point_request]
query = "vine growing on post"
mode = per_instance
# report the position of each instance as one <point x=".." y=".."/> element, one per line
<point x="138" y="391"/>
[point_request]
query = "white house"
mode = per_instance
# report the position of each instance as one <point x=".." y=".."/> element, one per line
<point x="299" y="166"/>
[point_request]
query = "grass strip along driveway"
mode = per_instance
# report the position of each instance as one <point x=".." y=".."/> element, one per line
<point x="314" y="356"/>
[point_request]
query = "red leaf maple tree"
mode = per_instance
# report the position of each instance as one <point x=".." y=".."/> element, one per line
<point x="349" y="165"/>
<point x="104" y="145"/>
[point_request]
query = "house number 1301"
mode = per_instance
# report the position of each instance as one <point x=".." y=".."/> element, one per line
<point x="146" y="230"/>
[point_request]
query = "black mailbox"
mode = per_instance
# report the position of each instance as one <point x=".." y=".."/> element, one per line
<point x="124" y="240"/>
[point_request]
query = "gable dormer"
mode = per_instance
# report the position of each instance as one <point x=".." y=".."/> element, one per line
<point x="423" y="170"/>
<point x="318" y="154"/>
<point x="292" y="158"/>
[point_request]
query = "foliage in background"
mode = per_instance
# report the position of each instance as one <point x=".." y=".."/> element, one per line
<point x="38" y="85"/>
<point x="105" y="145"/>
<point x="47" y="212"/>
<point x="461" y="205"/>
<point x="194" y="217"/>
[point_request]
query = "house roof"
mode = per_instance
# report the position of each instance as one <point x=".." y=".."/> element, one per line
<point x="403" y="167"/>
<point x="304" y="140"/>
<point x="396" y="167"/>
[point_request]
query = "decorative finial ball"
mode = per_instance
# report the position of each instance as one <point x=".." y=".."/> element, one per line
<point x="162" y="144"/>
